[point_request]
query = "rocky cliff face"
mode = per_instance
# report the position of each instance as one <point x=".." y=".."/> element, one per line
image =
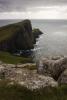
<point x="17" y="36"/>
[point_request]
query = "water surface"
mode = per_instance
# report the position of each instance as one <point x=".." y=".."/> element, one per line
<point x="54" y="40"/>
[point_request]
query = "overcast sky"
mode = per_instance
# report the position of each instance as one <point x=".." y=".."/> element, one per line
<point x="33" y="9"/>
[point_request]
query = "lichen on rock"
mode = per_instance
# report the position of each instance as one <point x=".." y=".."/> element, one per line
<point x="26" y="77"/>
<point x="52" y="67"/>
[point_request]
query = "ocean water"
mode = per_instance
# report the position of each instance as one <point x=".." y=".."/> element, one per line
<point x="54" y="40"/>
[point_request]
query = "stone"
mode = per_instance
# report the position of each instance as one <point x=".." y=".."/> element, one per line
<point x="63" y="77"/>
<point x="2" y="72"/>
<point x="10" y="65"/>
<point x="23" y="74"/>
<point x="32" y="80"/>
<point x="27" y="65"/>
<point x="51" y="67"/>
<point x="25" y="77"/>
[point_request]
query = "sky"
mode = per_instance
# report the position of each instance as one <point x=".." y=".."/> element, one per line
<point x="33" y="9"/>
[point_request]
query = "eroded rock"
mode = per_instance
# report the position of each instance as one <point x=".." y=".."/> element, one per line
<point x="25" y="77"/>
<point x="32" y="80"/>
<point x="51" y="67"/>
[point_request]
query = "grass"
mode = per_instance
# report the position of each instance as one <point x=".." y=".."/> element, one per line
<point x="18" y="92"/>
<point x="9" y="58"/>
<point x="31" y="67"/>
<point x="7" y="31"/>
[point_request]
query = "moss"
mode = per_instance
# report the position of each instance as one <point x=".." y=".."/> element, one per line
<point x="8" y="30"/>
<point x="9" y="58"/>
<point x="31" y="67"/>
<point x="36" y="33"/>
<point x="35" y="30"/>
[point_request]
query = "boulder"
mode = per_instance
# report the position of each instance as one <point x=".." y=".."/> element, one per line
<point x="32" y="80"/>
<point x="51" y="67"/>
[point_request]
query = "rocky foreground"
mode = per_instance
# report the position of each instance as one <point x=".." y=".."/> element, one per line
<point x="47" y="72"/>
<point x="23" y="74"/>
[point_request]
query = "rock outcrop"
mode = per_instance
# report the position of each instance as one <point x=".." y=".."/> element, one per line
<point x="51" y="67"/>
<point x="18" y="36"/>
<point x="21" y="74"/>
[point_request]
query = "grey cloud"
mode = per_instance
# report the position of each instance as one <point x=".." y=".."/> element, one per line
<point x="23" y="5"/>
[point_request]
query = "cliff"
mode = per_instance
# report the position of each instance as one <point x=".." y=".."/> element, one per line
<point x="18" y="36"/>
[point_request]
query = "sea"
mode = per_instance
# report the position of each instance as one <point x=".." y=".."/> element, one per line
<point x="53" y="41"/>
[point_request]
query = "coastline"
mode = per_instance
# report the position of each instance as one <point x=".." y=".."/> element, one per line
<point x="20" y="75"/>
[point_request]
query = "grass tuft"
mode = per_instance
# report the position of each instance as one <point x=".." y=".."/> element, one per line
<point x="18" y="92"/>
<point x="9" y="58"/>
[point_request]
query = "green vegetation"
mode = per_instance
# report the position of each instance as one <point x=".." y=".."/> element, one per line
<point x="35" y="30"/>
<point x="9" y="58"/>
<point x="18" y="92"/>
<point x="31" y="67"/>
<point x="9" y="30"/>
<point x="17" y="36"/>
<point x="36" y="33"/>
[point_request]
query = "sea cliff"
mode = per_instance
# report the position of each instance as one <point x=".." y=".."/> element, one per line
<point x="18" y="36"/>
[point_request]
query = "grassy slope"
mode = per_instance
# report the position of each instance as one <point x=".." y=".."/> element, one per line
<point x="8" y="58"/>
<point x="7" y="31"/>
<point x="17" y="92"/>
